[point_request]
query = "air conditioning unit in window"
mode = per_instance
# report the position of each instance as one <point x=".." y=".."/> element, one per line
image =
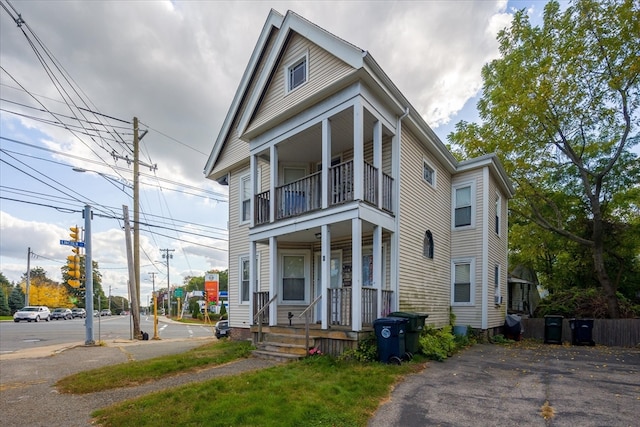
<point x="497" y="299"/>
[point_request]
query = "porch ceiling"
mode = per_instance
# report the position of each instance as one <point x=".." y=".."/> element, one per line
<point x="311" y="139"/>
<point x="339" y="231"/>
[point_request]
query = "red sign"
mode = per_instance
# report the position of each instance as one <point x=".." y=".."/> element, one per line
<point x="211" y="286"/>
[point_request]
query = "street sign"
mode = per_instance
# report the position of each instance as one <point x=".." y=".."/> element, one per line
<point x="72" y="243"/>
<point x="178" y="293"/>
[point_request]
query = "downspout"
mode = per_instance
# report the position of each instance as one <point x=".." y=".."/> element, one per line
<point x="395" y="268"/>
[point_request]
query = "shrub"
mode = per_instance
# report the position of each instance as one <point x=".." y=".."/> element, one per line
<point x="437" y="344"/>
<point x="367" y="351"/>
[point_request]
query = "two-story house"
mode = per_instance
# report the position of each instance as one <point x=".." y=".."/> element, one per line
<point x="344" y="205"/>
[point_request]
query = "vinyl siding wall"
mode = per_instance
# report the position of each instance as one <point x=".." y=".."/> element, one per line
<point x="497" y="255"/>
<point x="324" y="69"/>
<point x="424" y="283"/>
<point x="467" y="243"/>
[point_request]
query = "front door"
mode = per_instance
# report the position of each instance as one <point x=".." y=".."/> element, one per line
<point x="336" y="279"/>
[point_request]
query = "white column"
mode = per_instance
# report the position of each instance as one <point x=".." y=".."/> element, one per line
<point x="273" y="280"/>
<point x="377" y="157"/>
<point x="253" y="185"/>
<point x="273" y="155"/>
<point x="356" y="273"/>
<point x="358" y="150"/>
<point x="325" y="261"/>
<point x="377" y="266"/>
<point x="253" y="276"/>
<point x="326" y="162"/>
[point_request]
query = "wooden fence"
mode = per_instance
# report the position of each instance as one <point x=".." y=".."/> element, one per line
<point x="607" y="332"/>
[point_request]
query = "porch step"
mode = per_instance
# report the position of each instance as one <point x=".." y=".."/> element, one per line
<point x="283" y="346"/>
<point x="280" y="357"/>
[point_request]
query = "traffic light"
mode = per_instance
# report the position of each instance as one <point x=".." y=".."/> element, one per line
<point x="75" y="233"/>
<point x="73" y="264"/>
<point x="73" y="261"/>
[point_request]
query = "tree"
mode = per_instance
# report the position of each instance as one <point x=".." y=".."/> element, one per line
<point x="4" y="304"/>
<point x="45" y="291"/>
<point x="560" y="107"/>
<point x="16" y="298"/>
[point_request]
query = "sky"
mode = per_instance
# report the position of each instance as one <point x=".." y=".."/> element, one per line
<point x="175" y="65"/>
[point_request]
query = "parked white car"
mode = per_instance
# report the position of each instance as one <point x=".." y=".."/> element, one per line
<point x="32" y="313"/>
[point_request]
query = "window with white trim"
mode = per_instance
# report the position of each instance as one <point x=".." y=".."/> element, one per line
<point x="463" y="206"/>
<point x="297" y="72"/>
<point x="428" y="173"/>
<point x="498" y="213"/>
<point x="496" y="284"/>
<point x="462" y="286"/>
<point x="244" y="279"/>
<point x="245" y="198"/>
<point x="427" y="249"/>
<point x="294" y="278"/>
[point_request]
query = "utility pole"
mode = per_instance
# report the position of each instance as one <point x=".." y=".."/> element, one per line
<point x="155" y="307"/>
<point x="135" y="306"/>
<point x="135" y="278"/>
<point x="167" y="255"/>
<point x="88" y="282"/>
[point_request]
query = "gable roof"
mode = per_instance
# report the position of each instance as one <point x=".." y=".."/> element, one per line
<point x="357" y="58"/>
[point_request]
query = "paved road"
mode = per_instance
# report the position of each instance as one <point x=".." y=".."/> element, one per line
<point x="492" y="385"/>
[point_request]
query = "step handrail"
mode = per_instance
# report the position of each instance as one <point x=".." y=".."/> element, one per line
<point x="255" y="318"/>
<point x="306" y="321"/>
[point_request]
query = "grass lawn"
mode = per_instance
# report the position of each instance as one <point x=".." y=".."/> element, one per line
<point x="316" y="391"/>
<point x="138" y="372"/>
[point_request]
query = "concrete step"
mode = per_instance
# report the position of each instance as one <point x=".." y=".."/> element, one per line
<point x="288" y="339"/>
<point x="280" y="357"/>
<point x="279" y="347"/>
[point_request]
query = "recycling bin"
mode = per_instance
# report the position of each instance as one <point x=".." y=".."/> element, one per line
<point x="390" y="337"/>
<point x="415" y="325"/>
<point x="581" y="331"/>
<point x="552" y="329"/>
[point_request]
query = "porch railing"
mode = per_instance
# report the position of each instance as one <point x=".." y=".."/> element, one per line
<point x="298" y="197"/>
<point x="261" y="307"/>
<point x="305" y="195"/>
<point x="340" y="305"/>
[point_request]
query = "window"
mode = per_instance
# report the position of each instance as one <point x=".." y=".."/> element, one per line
<point x="496" y="284"/>
<point x="297" y="72"/>
<point x="245" y="198"/>
<point x="462" y="292"/>
<point x="427" y="250"/>
<point x="293" y="278"/>
<point x="463" y="206"/>
<point x="244" y="279"/>
<point x="428" y="174"/>
<point x="498" y="213"/>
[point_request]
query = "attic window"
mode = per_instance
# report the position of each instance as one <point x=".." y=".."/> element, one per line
<point x="297" y="72"/>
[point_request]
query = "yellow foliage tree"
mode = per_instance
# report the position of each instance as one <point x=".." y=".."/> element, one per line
<point x="44" y="291"/>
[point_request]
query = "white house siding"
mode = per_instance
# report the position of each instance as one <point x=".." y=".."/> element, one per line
<point x="234" y="149"/>
<point x="467" y="243"/>
<point x="238" y="246"/>
<point x="497" y="255"/>
<point x="324" y="69"/>
<point x="424" y="283"/>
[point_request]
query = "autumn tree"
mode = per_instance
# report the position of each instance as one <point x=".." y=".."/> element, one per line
<point x="45" y="291"/>
<point x="560" y="107"/>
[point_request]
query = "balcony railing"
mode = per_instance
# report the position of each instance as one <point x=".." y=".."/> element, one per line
<point x="305" y="195"/>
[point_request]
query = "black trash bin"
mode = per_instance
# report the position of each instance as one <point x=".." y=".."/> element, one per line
<point x="390" y="337"/>
<point x="581" y="331"/>
<point x="415" y="326"/>
<point x="552" y="329"/>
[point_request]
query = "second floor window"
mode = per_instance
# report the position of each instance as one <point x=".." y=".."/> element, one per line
<point x="462" y="215"/>
<point x="245" y="199"/>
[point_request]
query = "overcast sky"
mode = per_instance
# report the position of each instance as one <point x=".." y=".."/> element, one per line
<point x="176" y="66"/>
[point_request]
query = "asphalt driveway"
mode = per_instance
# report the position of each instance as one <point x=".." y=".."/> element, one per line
<point x="528" y="384"/>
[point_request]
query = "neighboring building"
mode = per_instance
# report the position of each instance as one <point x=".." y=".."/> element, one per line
<point x="344" y="203"/>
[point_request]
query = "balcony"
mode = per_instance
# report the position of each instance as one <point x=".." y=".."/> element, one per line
<point x="305" y="195"/>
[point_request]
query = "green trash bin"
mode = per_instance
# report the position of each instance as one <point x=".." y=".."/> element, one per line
<point x="552" y="329"/>
<point x="414" y="328"/>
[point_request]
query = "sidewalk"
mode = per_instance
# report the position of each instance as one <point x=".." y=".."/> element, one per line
<point x="27" y="395"/>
